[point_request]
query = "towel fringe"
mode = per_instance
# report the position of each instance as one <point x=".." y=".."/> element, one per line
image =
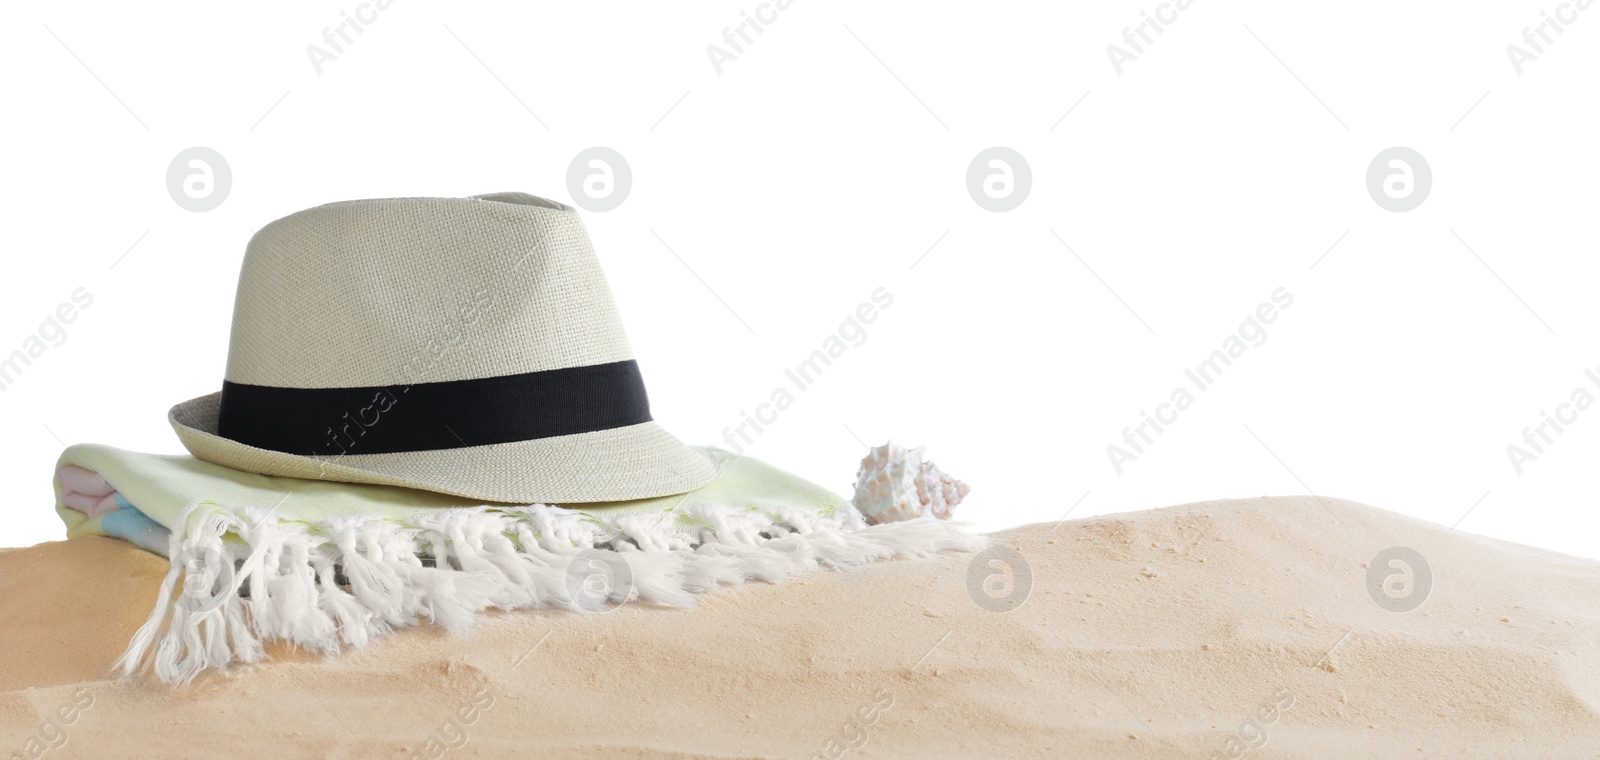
<point x="239" y="578"/>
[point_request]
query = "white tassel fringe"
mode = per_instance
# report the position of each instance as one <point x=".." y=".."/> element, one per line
<point x="348" y="580"/>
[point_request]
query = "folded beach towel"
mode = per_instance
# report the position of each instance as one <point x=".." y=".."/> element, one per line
<point x="323" y="565"/>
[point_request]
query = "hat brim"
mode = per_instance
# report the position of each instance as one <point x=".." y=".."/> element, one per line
<point x="634" y="462"/>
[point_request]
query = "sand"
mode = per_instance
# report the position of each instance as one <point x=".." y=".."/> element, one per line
<point x="1167" y="633"/>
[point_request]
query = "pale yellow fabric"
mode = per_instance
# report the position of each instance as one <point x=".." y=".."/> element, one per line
<point x="163" y="486"/>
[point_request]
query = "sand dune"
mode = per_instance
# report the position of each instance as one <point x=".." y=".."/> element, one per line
<point x="1165" y="633"/>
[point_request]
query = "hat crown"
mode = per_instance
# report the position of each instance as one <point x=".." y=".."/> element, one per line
<point x="416" y="290"/>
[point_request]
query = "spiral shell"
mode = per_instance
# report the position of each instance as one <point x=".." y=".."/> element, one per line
<point x="895" y="483"/>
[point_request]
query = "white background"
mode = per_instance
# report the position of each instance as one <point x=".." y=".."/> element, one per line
<point x="822" y="163"/>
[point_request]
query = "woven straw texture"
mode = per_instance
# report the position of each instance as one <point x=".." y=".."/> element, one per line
<point x="411" y="290"/>
<point x="383" y="292"/>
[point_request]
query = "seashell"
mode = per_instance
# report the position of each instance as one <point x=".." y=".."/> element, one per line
<point x="895" y="483"/>
<point x="939" y="492"/>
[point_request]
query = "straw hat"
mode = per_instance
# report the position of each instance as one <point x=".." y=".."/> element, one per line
<point x="468" y="346"/>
